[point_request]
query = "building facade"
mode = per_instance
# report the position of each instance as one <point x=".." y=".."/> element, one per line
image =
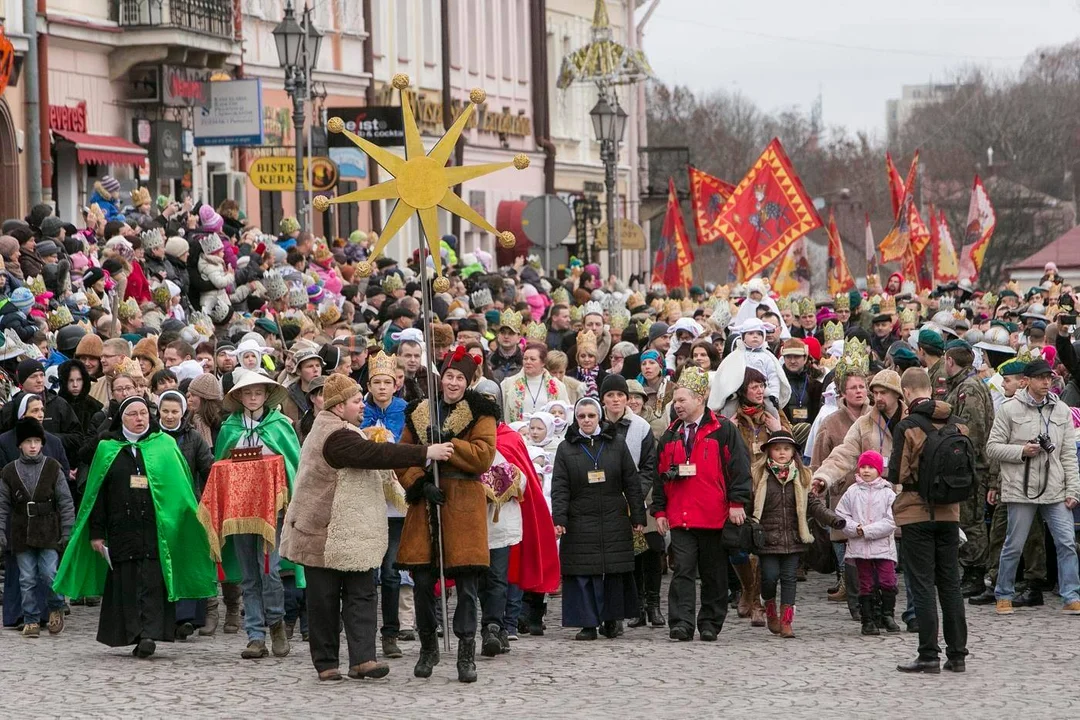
<point x="13" y="189"/>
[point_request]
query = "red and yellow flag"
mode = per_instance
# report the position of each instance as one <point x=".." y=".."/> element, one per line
<point x="896" y="184"/>
<point x="768" y="211"/>
<point x="707" y="197"/>
<point x="981" y="221"/>
<point x="672" y="265"/>
<point x="946" y="264"/>
<point x="840" y="279"/>
<point x="792" y="274"/>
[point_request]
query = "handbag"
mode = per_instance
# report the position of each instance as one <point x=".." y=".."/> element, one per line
<point x="748" y="537"/>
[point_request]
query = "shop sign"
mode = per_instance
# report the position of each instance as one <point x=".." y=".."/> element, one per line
<point x="67" y="117"/>
<point x="381" y="125"/>
<point x="184" y="87"/>
<point x="7" y="60"/>
<point x="166" y="149"/>
<point x="278" y="174"/>
<point x="428" y="114"/>
<point x="234" y="114"/>
<point x="141" y="131"/>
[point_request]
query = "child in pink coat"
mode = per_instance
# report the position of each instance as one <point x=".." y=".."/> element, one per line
<point x="867" y="508"/>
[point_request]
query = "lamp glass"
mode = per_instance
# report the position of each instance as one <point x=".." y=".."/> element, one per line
<point x="603" y="117"/>
<point x="314" y="39"/>
<point x="288" y="37"/>
<point x="620" y="123"/>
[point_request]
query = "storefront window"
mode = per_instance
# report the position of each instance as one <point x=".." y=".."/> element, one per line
<point x="270" y="213"/>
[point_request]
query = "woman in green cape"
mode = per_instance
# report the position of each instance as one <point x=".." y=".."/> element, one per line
<point x="255" y="421"/>
<point x="137" y="542"/>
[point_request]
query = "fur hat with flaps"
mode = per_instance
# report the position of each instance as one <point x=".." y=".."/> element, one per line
<point x="463" y="361"/>
<point x="275" y="393"/>
<point x="337" y="389"/>
<point x="28" y="427"/>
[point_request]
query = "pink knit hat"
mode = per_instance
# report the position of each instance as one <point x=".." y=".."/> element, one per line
<point x="209" y="218"/>
<point x="873" y="459"/>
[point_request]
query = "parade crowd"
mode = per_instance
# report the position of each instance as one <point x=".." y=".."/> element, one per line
<point x="209" y="427"/>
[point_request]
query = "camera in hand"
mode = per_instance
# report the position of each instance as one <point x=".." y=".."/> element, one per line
<point x="1046" y="443"/>
<point x="1067" y="319"/>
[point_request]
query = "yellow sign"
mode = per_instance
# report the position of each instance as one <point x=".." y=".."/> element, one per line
<point x="631" y="236"/>
<point x="279" y="173"/>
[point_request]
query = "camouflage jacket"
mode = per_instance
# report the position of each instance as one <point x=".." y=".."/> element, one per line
<point x="970" y="400"/>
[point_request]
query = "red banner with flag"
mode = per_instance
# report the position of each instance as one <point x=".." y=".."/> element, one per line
<point x="840" y="279"/>
<point x="946" y="264"/>
<point x="981" y="221"/>
<point x="897" y="244"/>
<point x="707" y="197"/>
<point x="672" y="265"/>
<point x="896" y="184"/>
<point x="768" y="211"/>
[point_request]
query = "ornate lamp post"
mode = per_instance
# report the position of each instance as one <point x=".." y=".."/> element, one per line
<point x="298" y="51"/>
<point x="609" y="124"/>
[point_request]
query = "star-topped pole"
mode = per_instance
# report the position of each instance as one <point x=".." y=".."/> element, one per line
<point x="421" y="182"/>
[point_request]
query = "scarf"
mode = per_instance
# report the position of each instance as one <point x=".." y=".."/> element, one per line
<point x="588" y="378"/>
<point x="781" y="471"/>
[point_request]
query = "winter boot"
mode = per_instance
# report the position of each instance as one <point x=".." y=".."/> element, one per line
<point x="972" y="583"/>
<point x="866" y="605"/>
<point x="888" y="608"/>
<point x="210" y="626"/>
<point x="652" y="609"/>
<point x="466" y="659"/>
<point x="878" y="619"/>
<point x="771" y="616"/>
<point x="835" y="587"/>
<point x="279" y="643"/>
<point x="390" y="647"/>
<point x="490" y="645"/>
<point x="851" y="588"/>
<point x="232" y="594"/>
<point x="429" y="655"/>
<point x="536" y="618"/>
<point x="787" y="615"/>
<point x="642" y="619"/>
<point x="746" y="579"/>
<point x="757" y="612"/>
<point x="839" y="593"/>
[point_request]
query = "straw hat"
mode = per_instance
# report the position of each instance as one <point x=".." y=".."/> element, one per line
<point x="275" y="393"/>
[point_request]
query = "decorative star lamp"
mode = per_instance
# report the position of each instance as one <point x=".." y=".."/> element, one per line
<point x="421" y="182"/>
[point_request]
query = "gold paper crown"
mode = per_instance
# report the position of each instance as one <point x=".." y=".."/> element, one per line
<point x="161" y="296"/>
<point x="510" y="319"/>
<point x="322" y="251"/>
<point x="643" y="329"/>
<point x="688" y="305"/>
<point x="127" y="309"/>
<point x="806" y="306"/>
<point x="834" y="330"/>
<point x="129" y="367"/>
<point x="329" y="312"/>
<point x="560" y="296"/>
<point x="671" y="307"/>
<point x="382" y="364"/>
<point x="635" y="300"/>
<point x="908" y="316"/>
<point x="873" y="283"/>
<point x="875" y="303"/>
<point x="1014" y="286"/>
<point x="60" y="317"/>
<point x="92" y="299"/>
<point x="392" y="283"/>
<point x="854" y="361"/>
<point x="842" y="302"/>
<point x="694" y="379"/>
<point x="959" y="314"/>
<point x="36" y="284"/>
<point x="784" y="304"/>
<point x="577" y="313"/>
<point x="586" y="341"/>
<point x="537" y="331"/>
<point x="888" y="305"/>
<point x="619" y="319"/>
<point x="657" y="304"/>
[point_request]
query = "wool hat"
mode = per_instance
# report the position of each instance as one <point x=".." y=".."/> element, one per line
<point x="209" y="219"/>
<point x="110" y="183"/>
<point x="8" y="246"/>
<point x="90" y="346"/>
<point x="1012" y="367"/>
<point x="887" y="380"/>
<point x="28" y="427"/>
<point x="91" y="276"/>
<point x="873" y="459"/>
<point x="442" y="335"/>
<point x="463" y="361"/>
<point x="147" y="348"/>
<point x="68" y="339"/>
<point x="614" y="383"/>
<point x="23" y="299"/>
<point x="633" y="387"/>
<point x="931" y="340"/>
<point x="206" y="386"/>
<point x="176" y="247"/>
<point x="26" y="368"/>
<point x="51" y="226"/>
<point x="288" y="225"/>
<point x="45" y="248"/>
<point x="813" y="347"/>
<point x="337" y="389"/>
<point x="1034" y="368"/>
<point x="780" y="436"/>
<point x="211" y="243"/>
<point x="316" y="385"/>
<point x="794" y="346"/>
<point x="657" y="329"/>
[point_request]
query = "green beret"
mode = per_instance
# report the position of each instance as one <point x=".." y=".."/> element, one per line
<point x="267" y="325"/>
<point x="1007" y="293"/>
<point x="931" y="339"/>
<point x="957" y="343"/>
<point x="903" y="353"/>
<point x="1012" y="367"/>
<point x="1011" y="327"/>
<point x="854" y="298"/>
<point x="492" y="317"/>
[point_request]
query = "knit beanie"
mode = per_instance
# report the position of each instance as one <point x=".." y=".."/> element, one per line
<point x="23" y="299"/>
<point x="207" y="387"/>
<point x="337" y="389"/>
<point x="176" y="247"/>
<point x="614" y="383"/>
<point x="90" y="346"/>
<point x="28" y="427"/>
<point x="873" y="459"/>
<point x="111" y="184"/>
<point x="209" y="219"/>
<point x="51" y="226"/>
<point x="8" y="246"/>
<point x="26" y="368"/>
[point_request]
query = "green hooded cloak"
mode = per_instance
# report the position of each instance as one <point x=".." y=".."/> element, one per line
<point x="183" y="548"/>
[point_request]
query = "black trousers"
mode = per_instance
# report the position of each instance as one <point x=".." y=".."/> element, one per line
<point x="648" y="574"/>
<point x="698" y="553"/>
<point x="932" y="561"/>
<point x="333" y="597"/>
<point x="465" y="584"/>
<point x="390" y="579"/>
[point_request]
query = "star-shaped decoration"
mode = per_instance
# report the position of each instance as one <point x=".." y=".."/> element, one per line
<point x="421" y="182"/>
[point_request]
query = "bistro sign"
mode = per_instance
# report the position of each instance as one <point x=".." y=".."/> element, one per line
<point x="278" y="174"/>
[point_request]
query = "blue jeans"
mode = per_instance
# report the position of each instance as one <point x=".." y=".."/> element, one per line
<point x="493" y="587"/>
<point x="1060" y="521"/>
<point x="37" y="567"/>
<point x="295" y="603"/>
<point x="264" y="595"/>
<point x="514" y="598"/>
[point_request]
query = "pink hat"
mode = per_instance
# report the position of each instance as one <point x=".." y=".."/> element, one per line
<point x="825" y="314"/>
<point x="209" y="219"/>
<point x="873" y="459"/>
<point x="1049" y="354"/>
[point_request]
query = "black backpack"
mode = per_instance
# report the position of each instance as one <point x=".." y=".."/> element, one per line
<point x="946" y="464"/>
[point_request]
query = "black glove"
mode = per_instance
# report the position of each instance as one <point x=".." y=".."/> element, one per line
<point x="433" y="494"/>
<point x="839" y="524"/>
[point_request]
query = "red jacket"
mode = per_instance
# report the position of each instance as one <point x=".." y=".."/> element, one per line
<point x="137" y="285"/>
<point x="722" y="481"/>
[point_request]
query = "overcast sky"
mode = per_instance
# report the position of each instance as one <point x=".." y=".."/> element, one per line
<point x="856" y="53"/>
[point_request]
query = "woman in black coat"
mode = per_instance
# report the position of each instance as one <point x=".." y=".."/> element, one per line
<point x="596" y="504"/>
<point x="77" y="394"/>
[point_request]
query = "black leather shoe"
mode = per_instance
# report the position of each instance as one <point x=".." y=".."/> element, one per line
<point x="913" y="625"/>
<point x="586" y="634"/>
<point x="708" y="635"/>
<point x="986" y="598"/>
<point x="957" y="665"/>
<point x="932" y="667"/>
<point x="973" y="582"/>
<point x="681" y="634"/>
<point x="1028" y="598"/>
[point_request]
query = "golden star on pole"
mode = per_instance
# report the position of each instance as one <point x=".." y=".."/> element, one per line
<point x="421" y="181"/>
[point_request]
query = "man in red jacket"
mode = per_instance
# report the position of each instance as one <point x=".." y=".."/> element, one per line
<point x="705" y="471"/>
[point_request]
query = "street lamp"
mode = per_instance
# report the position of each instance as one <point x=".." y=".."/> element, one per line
<point x="298" y="51"/>
<point x="609" y="124"/>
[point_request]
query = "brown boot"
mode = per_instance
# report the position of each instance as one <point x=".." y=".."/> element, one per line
<point x="232" y="594"/>
<point x="787" y="615"/>
<point x="841" y="591"/>
<point x="210" y="626"/>
<point x="745" y="572"/>
<point x="757" y="612"/>
<point x="773" y="618"/>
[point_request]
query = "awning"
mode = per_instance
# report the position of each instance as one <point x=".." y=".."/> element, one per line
<point x="103" y="149"/>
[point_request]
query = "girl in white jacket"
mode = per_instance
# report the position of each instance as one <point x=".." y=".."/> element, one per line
<point x="213" y="269"/>
<point x="867" y="508"/>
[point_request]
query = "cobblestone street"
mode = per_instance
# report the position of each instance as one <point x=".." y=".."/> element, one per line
<point x="1016" y="666"/>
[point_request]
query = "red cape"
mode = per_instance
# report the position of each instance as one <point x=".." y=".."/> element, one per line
<point x="534" y="562"/>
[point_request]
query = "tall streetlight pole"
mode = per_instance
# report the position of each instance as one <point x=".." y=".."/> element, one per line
<point x="609" y="124"/>
<point x="298" y="51"/>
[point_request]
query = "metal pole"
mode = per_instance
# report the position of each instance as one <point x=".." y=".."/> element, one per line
<point x="294" y="85"/>
<point x="435" y="426"/>
<point x="310" y="221"/>
<point x="547" y="234"/>
<point x="32" y="103"/>
<point x="608" y="151"/>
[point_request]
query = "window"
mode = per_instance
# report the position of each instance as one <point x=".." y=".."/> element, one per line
<point x="376" y="30"/>
<point x="455" y="36"/>
<point x="269" y="209"/>
<point x="348" y="213"/>
<point x="524" y="40"/>
<point x="474" y="47"/>
<point x="430" y="53"/>
<point x="490" y="23"/>
<point x="401" y="23"/>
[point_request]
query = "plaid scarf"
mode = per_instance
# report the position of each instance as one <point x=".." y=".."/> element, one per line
<point x="783" y="472"/>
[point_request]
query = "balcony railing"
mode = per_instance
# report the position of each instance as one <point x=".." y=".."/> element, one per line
<point x="211" y="17"/>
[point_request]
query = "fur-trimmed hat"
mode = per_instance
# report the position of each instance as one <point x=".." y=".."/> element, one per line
<point x="337" y="389"/>
<point x="28" y="427"/>
<point x="463" y="361"/>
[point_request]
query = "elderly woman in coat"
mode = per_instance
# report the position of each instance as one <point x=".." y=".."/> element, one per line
<point x="596" y="505"/>
<point x="336" y="527"/>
